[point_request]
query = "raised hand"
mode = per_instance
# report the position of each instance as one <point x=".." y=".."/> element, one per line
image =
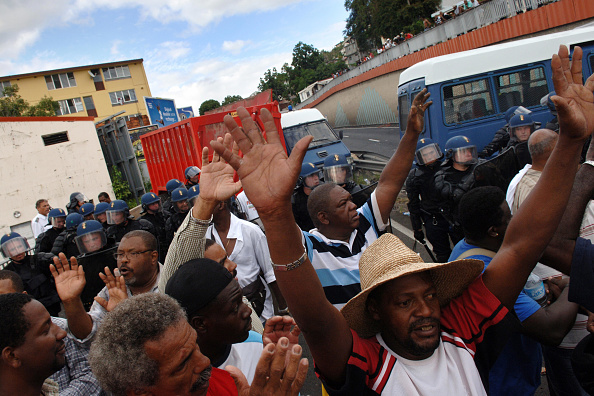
<point x="281" y="326"/>
<point x="216" y="177"/>
<point x="69" y="277"/>
<point x="116" y="287"/>
<point x="574" y="102"/>
<point x="275" y="375"/>
<point x="267" y="174"/>
<point x="416" y="117"/>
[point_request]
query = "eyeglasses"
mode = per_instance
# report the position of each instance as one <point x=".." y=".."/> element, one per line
<point x="130" y="255"/>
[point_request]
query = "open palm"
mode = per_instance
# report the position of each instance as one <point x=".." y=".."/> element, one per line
<point x="69" y="277"/>
<point x="268" y="175"/>
<point x="216" y="179"/>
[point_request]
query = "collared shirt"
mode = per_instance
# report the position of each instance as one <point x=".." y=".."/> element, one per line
<point x="76" y="377"/>
<point x="188" y="244"/>
<point x="337" y="262"/>
<point x="98" y="313"/>
<point x="251" y="255"/>
<point x="39" y="224"/>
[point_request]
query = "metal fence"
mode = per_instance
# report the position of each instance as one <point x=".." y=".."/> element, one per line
<point x="483" y="15"/>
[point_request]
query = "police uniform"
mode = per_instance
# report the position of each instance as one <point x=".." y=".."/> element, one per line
<point x="117" y="231"/>
<point x="45" y="241"/>
<point x="300" y="212"/>
<point x="159" y="222"/>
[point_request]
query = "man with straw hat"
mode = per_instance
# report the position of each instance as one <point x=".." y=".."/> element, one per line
<point x="432" y="321"/>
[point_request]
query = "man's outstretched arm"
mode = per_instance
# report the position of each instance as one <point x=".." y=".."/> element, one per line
<point x="534" y="224"/>
<point x="559" y="253"/>
<point x="268" y="178"/>
<point x="394" y="174"/>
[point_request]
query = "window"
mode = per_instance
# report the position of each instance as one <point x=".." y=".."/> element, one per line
<point x="57" y="81"/>
<point x="121" y="97"/>
<point x="403" y="109"/>
<point x="521" y="88"/>
<point x="3" y="84"/>
<point x="111" y="73"/>
<point x="467" y="101"/>
<point x="70" y="106"/>
<point x="55" y="138"/>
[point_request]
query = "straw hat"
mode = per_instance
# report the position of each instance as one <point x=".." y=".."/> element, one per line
<point x="388" y="258"/>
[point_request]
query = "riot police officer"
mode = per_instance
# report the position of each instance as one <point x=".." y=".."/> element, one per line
<point x="423" y="200"/>
<point x="181" y="205"/>
<point x="521" y="127"/>
<point x="64" y="243"/>
<point x="100" y="214"/>
<point x="153" y="211"/>
<point x="170" y="186"/>
<point x="454" y="179"/>
<point x="77" y="200"/>
<point x="309" y="178"/>
<point x="501" y="137"/>
<point x="45" y="240"/>
<point x="87" y="210"/>
<point x="120" y="222"/>
<point x="193" y="193"/>
<point x="33" y="270"/>
<point x="192" y="174"/>
<point x="96" y="253"/>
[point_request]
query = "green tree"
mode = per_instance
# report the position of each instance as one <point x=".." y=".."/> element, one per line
<point x="13" y="105"/>
<point x="230" y="99"/>
<point x="208" y="105"/>
<point x="278" y="82"/>
<point x="121" y="188"/>
<point x="358" y="24"/>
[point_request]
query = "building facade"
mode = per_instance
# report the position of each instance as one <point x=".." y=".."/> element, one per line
<point x="97" y="91"/>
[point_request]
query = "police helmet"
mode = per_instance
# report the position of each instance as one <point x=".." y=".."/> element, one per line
<point x="427" y="152"/>
<point x="460" y="150"/>
<point x="149" y="199"/>
<point x="191" y="171"/>
<point x="546" y="101"/>
<point x="172" y="185"/>
<point x="337" y="169"/>
<point x="57" y="217"/>
<point x="521" y="120"/>
<point x="13" y="244"/>
<point x="101" y="208"/>
<point x="193" y="192"/>
<point x="77" y="197"/>
<point x="308" y="169"/>
<point x="90" y="236"/>
<point x="87" y="209"/>
<point x="514" y="110"/>
<point x="179" y="197"/>
<point x="73" y="220"/>
<point x="118" y="212"/>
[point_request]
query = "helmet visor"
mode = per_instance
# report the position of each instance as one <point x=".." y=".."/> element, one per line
<point x="58" y="222"/>
<point x="182" y="206"/>
<point x="428" y="154"/>
<point x="91" y="242"/>
<point x="466" y="155"/>
<point x="15" y="246"/>
<point x="115" y="217"/>
<point x="193" y="171"/>
<point x="522" y="132"/>
<point x="340" y="174"/>
<point x="313" y="180"/>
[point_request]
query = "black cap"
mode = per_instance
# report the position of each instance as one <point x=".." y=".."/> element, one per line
<point x="197" y="282"/>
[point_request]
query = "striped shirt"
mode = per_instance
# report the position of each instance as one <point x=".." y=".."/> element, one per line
<point x="337" y="262"/>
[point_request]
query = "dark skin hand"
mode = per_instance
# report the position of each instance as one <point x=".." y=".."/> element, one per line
<point x="268" y="177"/>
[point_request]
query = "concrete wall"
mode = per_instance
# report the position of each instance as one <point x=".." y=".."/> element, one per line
<point x="374" y="102"/>
<point x="29" y="170"/>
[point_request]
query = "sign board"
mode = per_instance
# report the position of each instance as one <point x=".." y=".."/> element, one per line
<point x="185" y="113"/>
<point x="161" y="111"/>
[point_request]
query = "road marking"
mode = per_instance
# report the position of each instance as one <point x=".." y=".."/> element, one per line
<point x="374" y="140"/>
<point x="345" y="136"/>
<point x="400" y="228"/>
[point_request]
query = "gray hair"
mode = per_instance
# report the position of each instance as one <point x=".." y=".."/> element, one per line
<point x="118" y="357"/>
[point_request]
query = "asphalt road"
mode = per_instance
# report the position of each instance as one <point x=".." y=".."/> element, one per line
<point x="382" y="140"/>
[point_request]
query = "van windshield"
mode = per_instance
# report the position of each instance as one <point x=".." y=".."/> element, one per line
<point x="320" y="130"/>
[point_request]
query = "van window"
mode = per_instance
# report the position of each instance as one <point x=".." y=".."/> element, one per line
<point x="521" y="88"/>
<point x="403" y="110"/>
<point x="467" y="101"/>
<point x="319" y="130"/>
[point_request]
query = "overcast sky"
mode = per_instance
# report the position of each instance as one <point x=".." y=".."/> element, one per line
<point x="193" y="50"/>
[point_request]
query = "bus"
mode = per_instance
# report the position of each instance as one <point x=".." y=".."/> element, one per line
<point x="471" y="90"/>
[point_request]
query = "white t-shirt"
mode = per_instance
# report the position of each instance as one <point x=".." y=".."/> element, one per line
<point x="245" y="355"/>
<point x="251" y="256"/>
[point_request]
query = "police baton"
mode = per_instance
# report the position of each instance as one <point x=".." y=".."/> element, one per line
<point x="424" y="243"/>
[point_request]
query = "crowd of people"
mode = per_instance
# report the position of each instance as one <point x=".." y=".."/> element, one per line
<point x="160" y="306"/>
